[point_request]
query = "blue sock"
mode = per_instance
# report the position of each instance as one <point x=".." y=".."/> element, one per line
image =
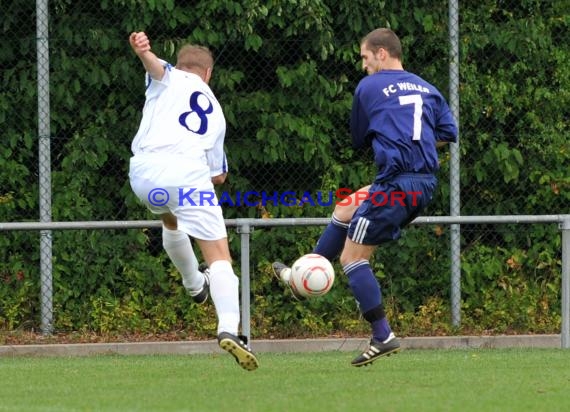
<point x="332" y="240"/>
<point x="366" y="290"/>
<point x="381" y="329"/>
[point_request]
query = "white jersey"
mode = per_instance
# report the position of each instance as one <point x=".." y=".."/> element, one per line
<point x="181" y="116"/>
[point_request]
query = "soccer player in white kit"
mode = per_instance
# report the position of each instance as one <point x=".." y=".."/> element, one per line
<point x="178" y="155"/>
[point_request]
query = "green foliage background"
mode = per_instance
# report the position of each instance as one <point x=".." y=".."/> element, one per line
<point x="285" y="73"/>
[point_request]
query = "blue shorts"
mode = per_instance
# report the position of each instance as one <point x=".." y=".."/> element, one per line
<point x="390" y="206"/>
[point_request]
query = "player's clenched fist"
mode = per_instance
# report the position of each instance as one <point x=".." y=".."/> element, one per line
<point x="139" y="42"/>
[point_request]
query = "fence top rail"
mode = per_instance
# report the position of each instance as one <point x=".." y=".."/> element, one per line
<point x="564" y="220"/>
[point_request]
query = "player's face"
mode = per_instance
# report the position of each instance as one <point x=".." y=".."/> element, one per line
<point x="371" y="62"/>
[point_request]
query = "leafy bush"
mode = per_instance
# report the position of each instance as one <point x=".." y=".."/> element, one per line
<point x="285" y="73"/>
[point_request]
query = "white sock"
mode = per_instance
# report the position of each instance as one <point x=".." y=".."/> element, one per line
<point x="224" y="290"/>
<point x="285" y="275"/>
<point x="179" y="249"/>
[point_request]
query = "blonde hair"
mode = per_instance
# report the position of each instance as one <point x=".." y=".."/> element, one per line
<point x="194" y="58"/>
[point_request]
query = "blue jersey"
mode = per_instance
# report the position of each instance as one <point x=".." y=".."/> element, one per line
<point x="402" y="116"/>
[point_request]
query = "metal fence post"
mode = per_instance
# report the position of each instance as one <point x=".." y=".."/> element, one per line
<point x="454" y="183"/>
<point x="44" y="166"/>
<point x="565" y="334"/>
<point x="244" y="229"/>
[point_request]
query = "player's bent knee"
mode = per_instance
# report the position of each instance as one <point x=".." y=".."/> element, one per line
<point x="214" y="250"/>
<point x="354" y="252"/>
<point x="169" y="221"/>
<point x="341" y="214"/>
<point x="345" y="210"/>
<point x="344" y="213"/>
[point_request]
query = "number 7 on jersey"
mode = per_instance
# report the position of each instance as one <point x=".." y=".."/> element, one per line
<point x="418" y="103"/>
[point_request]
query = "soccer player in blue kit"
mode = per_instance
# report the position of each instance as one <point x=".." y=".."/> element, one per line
<point x="404" y="118"/>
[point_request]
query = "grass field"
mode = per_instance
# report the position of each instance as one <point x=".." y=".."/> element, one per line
<point x="413" y="380"/>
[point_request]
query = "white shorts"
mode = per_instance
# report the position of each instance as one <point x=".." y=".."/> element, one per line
<point x="181" y="186"/>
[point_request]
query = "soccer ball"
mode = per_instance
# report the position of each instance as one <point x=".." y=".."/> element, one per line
<point x="312" y="275"/>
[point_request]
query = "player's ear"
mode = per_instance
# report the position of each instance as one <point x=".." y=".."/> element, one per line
<point x="208" y="75"/>
<point x="382" y="53"/>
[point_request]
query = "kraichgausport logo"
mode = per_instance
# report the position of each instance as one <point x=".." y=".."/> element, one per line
<point x="251" y="198"/>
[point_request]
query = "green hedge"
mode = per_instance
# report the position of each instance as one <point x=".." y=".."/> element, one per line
<point x="285" y="73"/>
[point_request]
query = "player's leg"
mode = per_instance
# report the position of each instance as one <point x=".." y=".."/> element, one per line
<point x="160" y="198"/>
<point x="179" y="249"/>
<point x="332" y="239"/>
<point x="224" y="290"/>
<point x="224" y="284"/>
<point x="371" y="225"/>
<point x="206" y="225"/>
<point x="366" y="290"/>
<point x="374" y="223"/>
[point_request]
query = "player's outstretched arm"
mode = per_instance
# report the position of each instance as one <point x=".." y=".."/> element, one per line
<point x="141" y="46"/>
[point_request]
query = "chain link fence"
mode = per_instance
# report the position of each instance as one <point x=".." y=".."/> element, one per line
<point x="71" y="99"/>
